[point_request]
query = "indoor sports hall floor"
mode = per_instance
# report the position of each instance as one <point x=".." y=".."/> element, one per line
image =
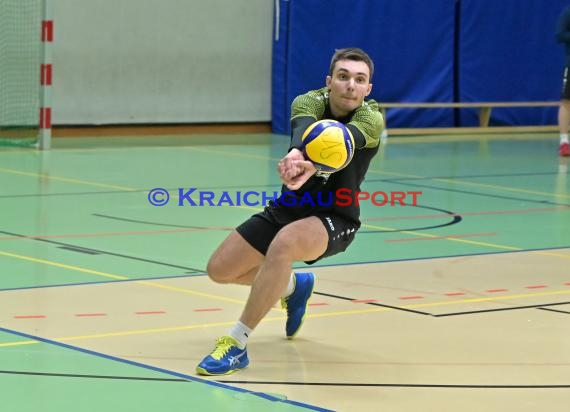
<point x="460" y="303"/>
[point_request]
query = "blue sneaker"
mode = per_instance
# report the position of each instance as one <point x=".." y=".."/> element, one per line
<point x="226" y="358"/>
<point x="296" y="303"/>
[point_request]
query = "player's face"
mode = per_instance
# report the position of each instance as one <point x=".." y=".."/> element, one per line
<point x="348" y="86"/>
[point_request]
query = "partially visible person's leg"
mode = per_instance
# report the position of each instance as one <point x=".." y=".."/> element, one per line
<point x="563" y="125"/>
<point x="303" y="240"/>
<point x="564" y="116"/>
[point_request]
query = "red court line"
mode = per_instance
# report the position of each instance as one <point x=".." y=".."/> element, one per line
<point x="86" y="315"/>
<point x="410" y="297"/>
<point x="491" y="212"/>
<point x="496" y="290"/>
<point x="415" y="239"/>
<point x="318" y="304"/>
<point x="30" y="317"/>
<point x="208" y="310"/>
<point x="536" y="287"/>
<point x="364" y="300"/>
<point x="156" y="312"/>
<point x="455" y="294"/>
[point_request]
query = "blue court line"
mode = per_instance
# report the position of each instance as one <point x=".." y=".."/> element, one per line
<point x="432" y="257"/>
<point x="161" y="370"/>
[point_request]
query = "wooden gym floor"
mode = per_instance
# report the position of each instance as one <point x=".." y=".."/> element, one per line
<point x="460" y="303"/>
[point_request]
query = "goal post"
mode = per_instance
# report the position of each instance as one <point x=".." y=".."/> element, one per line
<point x="26" y="36"/>
<point x="46" y="75"/>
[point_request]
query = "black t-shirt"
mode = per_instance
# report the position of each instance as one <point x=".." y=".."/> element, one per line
<point x="320" y="193"/>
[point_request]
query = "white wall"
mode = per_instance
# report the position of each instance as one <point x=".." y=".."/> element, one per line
<point x="162" y="61"/>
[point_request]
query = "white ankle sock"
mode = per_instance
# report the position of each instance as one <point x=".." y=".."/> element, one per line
<point x="240" y="332"/>
<point x="563" y="138"/>
<point x="290" y="286"/>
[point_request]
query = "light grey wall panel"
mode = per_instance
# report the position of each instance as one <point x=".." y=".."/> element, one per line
<point x="162" y="61"/>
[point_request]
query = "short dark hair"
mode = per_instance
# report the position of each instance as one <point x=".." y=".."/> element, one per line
<point x="352" y="53"/>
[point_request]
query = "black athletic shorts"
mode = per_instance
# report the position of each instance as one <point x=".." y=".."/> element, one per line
<point x="565" y="95"/>
<point x="260" y="230"/>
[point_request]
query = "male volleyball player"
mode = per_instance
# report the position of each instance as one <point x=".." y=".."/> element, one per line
<point x="261" y="251"/>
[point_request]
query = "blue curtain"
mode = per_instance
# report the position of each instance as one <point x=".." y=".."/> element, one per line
<point x="508" y="52"/>
<point x="410" y="41"/>
<point x="426" y="51"/>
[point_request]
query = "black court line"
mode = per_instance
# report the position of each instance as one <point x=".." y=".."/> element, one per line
<point x="468" y="192"/>
<point x="187" y="378"/>
<point x="374" y="304"/>
<point x="80" y="250"/>
<point x="555" y="310"/>
<point x="455" y="219"/>
<point x="397" y="385"/>
<point x="103" y="252"/>
<point x="72" y="375"/>
<point x="474" y="312"/>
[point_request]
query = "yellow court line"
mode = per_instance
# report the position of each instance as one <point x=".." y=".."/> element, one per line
<point x="65" y="179"/>
<point x="428" y="235"/>
<point x="280" y="318"/>
<point x="397" y="174"/>
<point x="21" y="343"/>
<point x="472" y="242"/>
<point x="63" y="266"/>
<point x="501" y="188"/>
<point x="190" y="292"/>
<point x="120" y="277"/>
<point x="233" y="154"/>
<point x="467" y="183"/>
<point x="472" y="137"/>
<point x="131" y="333"/>
<point x="103" y="185"/>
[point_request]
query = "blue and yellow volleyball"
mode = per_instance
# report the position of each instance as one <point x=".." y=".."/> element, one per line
<point x="329" y="145"/>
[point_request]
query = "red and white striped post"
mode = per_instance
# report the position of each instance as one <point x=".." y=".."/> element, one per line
<point x="46" y="77"/>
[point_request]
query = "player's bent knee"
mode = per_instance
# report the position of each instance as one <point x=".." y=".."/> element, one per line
<point x="217" y="271"/>
<point x="287" y="246"/>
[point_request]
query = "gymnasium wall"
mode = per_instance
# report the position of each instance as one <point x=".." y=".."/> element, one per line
<point x="162" y="61"/>
<point x="186" y="61"/>
<point x="426" y="51"/>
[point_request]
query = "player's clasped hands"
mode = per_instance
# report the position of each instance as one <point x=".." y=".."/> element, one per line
<point x="294" y="170"/>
